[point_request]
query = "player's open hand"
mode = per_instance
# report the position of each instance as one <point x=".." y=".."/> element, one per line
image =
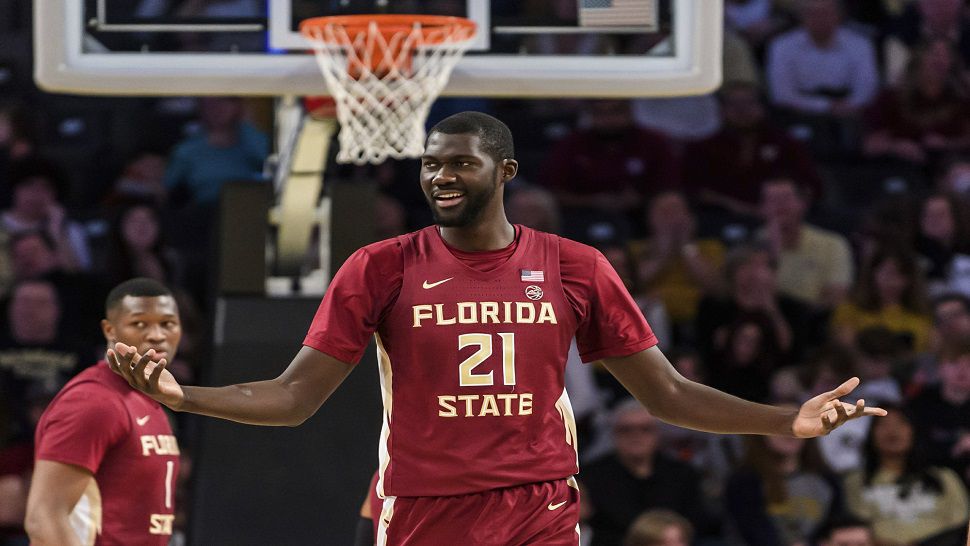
<point x="144" y="374"/>
<point x="825" y="412"/>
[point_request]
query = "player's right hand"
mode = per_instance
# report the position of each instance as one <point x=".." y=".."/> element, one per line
<point x="146" y="375"/>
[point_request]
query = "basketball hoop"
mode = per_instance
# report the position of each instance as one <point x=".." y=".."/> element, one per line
<point x="384" y="71"/>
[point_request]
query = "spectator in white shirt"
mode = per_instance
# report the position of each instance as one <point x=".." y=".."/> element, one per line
<point x="822" y="67"/>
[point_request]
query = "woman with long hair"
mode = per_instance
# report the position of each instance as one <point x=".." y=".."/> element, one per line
<point x="905" y="499"/>
<point x="746" y="354"/>
<point x="137" y="247"/>
<point x="890" y="292"/>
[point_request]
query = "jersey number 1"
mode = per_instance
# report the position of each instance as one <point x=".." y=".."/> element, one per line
<point x="466" y="370"/>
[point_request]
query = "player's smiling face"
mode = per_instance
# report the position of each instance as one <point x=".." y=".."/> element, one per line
<point x="458" y="179"/>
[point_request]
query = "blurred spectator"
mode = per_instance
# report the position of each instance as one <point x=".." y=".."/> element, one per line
<point x="889" y="221"/>
<point x="637" y="477"/>
<point x="228" y="148"/>
<point x="844" y="530"/>
<point x="814" y="265"/>
<point x="782" y="494"/>
<point x="755" y="20"/>
<point x="16" y="466"/>
<point x="951" y="324"/>
<point x="826" y="367"/>
<point x="745" y="357"/>
<point x="890" y="292"/>
<point x="879" y="353"/>
<point x="943" y="242"/>
<point x="651" y="306"/>
<point x="787" y="383"/>
<point x="137" y="248"/>
<point x="726" y="170"/>
<point x="926" y="113"/>
<point x="685" y="118"/>
<point x="954" y="176"/>
<point x="906" y="499"/>
<point x="822" y="67"/>
<point x="951" y="318"/>
<point x="36" y="186"/>
<point x="143" y="179"/>
<point x="609" y="169"/>
<point x="659" y="528"/>
<point x="35" y="351"/>
<point x="690" y="118"/>
<point x="941" y="415"/>
<point x="17" y="141"/>
<point x="33" y="257"/>
<point x="535" y="207"/>
<point x="673" y="264"/>
<point x="925" y="21"/>
<point x="752" y="291"/>
<point x="391" y="219"/>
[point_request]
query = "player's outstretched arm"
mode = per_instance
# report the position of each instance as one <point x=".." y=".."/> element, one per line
<point x="671" y="397"/>
<point x="287" y="400"/>
<point x="54" y="491"/>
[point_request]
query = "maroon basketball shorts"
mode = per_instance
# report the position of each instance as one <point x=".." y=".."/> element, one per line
<point x="544" y="513"/>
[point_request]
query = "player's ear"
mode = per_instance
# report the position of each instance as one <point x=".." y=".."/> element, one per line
<point x="510" y="168"/>
<point x="108" y="330"/>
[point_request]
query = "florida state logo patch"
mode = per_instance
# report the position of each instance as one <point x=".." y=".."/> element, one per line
<point x="533" y="292"/>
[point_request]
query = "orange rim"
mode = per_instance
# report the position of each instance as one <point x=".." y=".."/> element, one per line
<point x="388" y="25"/>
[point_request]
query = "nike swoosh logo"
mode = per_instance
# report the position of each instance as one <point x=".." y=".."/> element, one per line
<point x="556" y="506"/>
<point x="142" y="420"/>
<point x="428" y="285"/>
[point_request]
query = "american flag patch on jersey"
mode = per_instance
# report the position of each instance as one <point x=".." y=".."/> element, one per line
<point x="532" y="276"/>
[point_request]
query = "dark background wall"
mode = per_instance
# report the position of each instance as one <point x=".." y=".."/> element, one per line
<point x="276" y="485"/>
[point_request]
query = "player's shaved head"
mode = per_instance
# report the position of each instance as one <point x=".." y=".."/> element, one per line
<point x="495" y="138"/>
<point x="139" y="288"/>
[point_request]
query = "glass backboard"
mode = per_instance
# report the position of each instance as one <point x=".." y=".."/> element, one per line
<point x="524" y="48"/>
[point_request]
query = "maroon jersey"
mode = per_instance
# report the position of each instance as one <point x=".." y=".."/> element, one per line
<point x="97" y="422"/>
<point x="472" y="350"/>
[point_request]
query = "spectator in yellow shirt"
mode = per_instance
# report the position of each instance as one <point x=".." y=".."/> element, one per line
<point x="890" y="293"/>
<point x="673" y="264"/>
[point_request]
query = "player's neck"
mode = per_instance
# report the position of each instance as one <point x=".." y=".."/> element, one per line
<point x="480" y="237"/>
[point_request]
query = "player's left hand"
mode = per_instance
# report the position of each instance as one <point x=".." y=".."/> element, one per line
<point x="825" y="412"/>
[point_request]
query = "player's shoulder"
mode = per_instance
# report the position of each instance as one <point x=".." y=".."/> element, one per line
<point x="89" y="390"/>
<point x="382" y="254"/>
<point x="575" y="253"/>
<point x="87" y="398"/>
<point x="93" y="382"/>
<point x="384" y="248"/>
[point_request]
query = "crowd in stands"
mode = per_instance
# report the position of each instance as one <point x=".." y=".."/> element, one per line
<point x="807" y="222"/>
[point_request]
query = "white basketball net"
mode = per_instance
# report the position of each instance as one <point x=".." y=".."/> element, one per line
<point x="383" y="84"/>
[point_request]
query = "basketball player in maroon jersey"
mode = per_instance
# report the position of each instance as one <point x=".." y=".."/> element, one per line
<point x="473" y="318"/>
<point x="106" y="459"/>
